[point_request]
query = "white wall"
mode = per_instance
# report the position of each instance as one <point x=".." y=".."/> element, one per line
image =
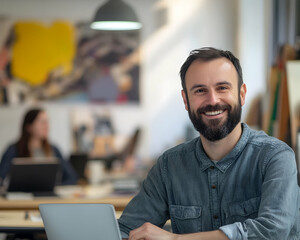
<point x="252" y="47"/>
<point x="190" y="24"/>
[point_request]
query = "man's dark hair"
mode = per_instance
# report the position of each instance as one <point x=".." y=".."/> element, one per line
<point x="207" y="54"/>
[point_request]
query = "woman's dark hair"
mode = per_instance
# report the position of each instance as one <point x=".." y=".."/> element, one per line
<point x="22" y="144"/>
<point x="207" y="54"/>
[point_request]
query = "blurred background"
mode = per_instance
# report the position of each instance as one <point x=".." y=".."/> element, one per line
<point x="100" y="87"/>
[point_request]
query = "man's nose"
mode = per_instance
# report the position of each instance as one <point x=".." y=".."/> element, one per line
<point x="212" y="98"/>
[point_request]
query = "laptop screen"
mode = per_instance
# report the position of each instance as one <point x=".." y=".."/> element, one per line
<point x="80" y="221"/>
<point x="32" y="175"/>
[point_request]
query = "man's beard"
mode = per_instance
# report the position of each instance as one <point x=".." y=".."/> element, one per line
<point x="214" y="130"/>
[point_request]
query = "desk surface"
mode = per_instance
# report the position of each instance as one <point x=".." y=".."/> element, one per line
<point x="20" y="221"/>
<point x="68" y="194"/>
<point x="20" y="218"/>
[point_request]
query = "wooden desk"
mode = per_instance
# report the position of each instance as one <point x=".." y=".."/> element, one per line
<point x="24" y="221"/>
<point x="16" y="221"/>
<point x="119" y="202"/>
<point x="73" y="194"/>
<point x="14" y="209"/>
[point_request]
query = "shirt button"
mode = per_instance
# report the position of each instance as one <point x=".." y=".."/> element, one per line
<point x="213" y="186"/>
<point x="212" y="167"/>
<point x="216" y="217"/>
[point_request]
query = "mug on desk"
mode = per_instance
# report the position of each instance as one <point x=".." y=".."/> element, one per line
<point x="95" y="171"/>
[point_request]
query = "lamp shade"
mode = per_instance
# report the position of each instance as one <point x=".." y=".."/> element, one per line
<point x="115" y="15"/>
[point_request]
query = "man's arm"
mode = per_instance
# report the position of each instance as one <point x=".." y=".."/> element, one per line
<point x="279" y="200"/>
<point x="149" y="205"/>
<point x="278" y="207"/>
<point x="149" y="231"/>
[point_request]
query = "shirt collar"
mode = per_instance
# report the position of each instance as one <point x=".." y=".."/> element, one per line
<point x="231" y="157"/>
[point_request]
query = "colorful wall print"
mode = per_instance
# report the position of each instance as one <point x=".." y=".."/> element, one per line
<point x="63" y="63"/>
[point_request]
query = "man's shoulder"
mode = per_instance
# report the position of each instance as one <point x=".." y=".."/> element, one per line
<point x="183" y="148"/>
<point x="263" y="140"/>
<point x="179" y="155"/>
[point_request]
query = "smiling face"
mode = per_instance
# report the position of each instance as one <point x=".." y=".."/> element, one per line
<point x="212" y="97"/>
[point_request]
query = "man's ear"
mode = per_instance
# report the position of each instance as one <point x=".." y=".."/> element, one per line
<point x="243" y="92"/>
<point x="184" y="97"/>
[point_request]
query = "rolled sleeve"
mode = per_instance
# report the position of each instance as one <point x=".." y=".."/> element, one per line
<point x="235" y="231"/>
<point x="124" y="235"/>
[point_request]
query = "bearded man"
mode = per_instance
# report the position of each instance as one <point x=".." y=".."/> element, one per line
<point x="231" y="182"/>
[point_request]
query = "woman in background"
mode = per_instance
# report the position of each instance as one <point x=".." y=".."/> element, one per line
<point x="34" y="143"/>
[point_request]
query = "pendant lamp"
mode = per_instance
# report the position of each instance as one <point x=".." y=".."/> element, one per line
<point x="115" y="15"/>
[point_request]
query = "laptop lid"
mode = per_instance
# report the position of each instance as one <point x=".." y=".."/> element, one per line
<point x="32" y="175"/>
<point x="80" y="221"/>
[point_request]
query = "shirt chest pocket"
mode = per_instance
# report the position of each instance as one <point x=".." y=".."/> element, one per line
<point x="240" y="211"/>
<point x="186" y="219"/>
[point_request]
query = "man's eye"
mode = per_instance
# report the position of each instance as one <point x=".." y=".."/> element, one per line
<point x="199" y="91"/>
<point x="223" y="88"/>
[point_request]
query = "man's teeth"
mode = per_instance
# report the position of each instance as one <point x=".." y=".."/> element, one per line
<point x="213" y="113"/>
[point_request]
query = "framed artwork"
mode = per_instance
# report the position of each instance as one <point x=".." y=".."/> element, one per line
<point x="65" y="63"/>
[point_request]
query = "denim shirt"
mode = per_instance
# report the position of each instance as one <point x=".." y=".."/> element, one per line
<point x="252" y="193"/>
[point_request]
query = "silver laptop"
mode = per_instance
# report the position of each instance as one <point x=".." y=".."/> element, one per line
<point x="80" y="221"/>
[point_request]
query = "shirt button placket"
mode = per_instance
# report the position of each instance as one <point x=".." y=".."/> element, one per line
<point x="214" y="197"/>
